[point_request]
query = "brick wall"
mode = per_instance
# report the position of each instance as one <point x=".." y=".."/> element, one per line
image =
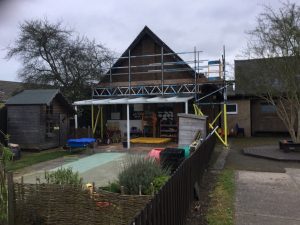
<point x="243" y="116"/>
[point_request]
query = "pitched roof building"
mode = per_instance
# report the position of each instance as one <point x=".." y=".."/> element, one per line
<point x="155" y="83"/>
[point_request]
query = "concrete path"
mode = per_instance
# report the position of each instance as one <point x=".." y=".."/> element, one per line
<point x="265" y="198"/>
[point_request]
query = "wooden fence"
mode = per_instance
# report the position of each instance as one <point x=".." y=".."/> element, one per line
<point x="53" y="204"/>
<point x="171" y="204"/>
<point x="49" y="204"/>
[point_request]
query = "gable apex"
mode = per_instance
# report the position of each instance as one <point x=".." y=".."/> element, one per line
<point x="146" y="31"/>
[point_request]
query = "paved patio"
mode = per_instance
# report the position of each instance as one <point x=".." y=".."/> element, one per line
<point x="267" y="198"/>
<point x="272" y="152"/>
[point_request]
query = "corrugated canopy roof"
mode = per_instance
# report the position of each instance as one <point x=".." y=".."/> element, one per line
<point x="139" y="100"/>
<point x="33" y="97"/>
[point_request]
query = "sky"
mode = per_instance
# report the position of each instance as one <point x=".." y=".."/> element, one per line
<point x="182" y="25"/>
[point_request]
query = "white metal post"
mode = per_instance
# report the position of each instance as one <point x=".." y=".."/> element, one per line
<point x="76" y="119"/>
<point x="186" y="107"/>
<point x="162" y="70"/>
<point x="128" y="128"/>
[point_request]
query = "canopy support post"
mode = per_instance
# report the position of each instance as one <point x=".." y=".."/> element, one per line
<point x="101" y="122"/>
<point x="76" y="118"/>
<point x="186" y="107"/>
<point x="128" y="128"/>
<point x="92" y="117"/>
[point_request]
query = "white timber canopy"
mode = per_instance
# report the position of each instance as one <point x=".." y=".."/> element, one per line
<point x="128" y="101"/>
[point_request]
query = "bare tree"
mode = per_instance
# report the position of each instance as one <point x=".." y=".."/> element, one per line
<point x="53" y="56"/>
<point x="275" y="76"/>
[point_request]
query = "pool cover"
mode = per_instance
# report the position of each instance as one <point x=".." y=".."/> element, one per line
<point x="80" y="142"/>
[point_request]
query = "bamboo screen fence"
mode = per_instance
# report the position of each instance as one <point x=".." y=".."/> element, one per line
<point x="64" y="205"/>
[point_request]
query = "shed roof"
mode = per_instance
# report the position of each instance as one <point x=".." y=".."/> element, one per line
<point x="40" y="97"/>
<point x="33" y="97"/>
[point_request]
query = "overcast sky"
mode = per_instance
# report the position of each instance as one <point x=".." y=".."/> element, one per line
<point x="206" y="24"/>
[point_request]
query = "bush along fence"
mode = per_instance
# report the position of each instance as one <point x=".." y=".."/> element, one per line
<point x="171" y="204"/>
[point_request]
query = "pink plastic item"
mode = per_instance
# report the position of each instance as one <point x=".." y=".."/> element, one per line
<point x="154" y="153"/>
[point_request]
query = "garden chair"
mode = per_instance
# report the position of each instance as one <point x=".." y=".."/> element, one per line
<point x="239" y="130"/>
<point x="116" y="137"/>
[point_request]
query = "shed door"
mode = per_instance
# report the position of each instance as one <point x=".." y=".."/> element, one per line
<point x="63" y="129"/>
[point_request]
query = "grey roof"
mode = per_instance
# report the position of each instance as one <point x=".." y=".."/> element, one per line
<point x="251" y="73"/>
<point x="9" y="88"/>
<point x="33" y="97"/>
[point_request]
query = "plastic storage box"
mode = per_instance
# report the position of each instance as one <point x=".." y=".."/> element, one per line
<point x="171" y="158"/>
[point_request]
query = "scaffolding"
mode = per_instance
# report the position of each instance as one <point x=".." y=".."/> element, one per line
<point x="160" y="65"/>
<point x="203" y="71"/>
<point x="222" y="134"/>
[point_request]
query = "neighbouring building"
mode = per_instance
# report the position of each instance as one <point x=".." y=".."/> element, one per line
<point x="238" y="113"/>
<point x="7" y="89"/>
<point x="38" y="119"/>
<point x="253" y="114"/>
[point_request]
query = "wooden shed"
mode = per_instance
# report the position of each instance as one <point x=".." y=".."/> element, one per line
<point x="38" y="119"/>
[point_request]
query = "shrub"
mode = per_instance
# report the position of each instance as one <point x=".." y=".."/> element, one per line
<point x="158" y="182"/>
<point x="63" y="176"/>
<point x="139" y="170"/>
<point x="112" y="187"/>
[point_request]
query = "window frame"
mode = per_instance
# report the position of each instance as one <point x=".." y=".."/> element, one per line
<point x="233" y="112"/>
<point x="271" y="109"/>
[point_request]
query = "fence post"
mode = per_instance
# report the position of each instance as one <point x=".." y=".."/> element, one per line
<point x="10" y="200"/>
<point x="152" y="189"/>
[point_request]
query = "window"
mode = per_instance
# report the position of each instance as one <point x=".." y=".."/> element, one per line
<point x="232" y="108"/>
<point x="267" y="108"/>
<point x="49" y="127"/>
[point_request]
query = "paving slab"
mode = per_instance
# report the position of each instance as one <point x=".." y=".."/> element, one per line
<point x="295" y="175"/>
<point x="251" y="219"/>
<point x="267" y="198"/>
